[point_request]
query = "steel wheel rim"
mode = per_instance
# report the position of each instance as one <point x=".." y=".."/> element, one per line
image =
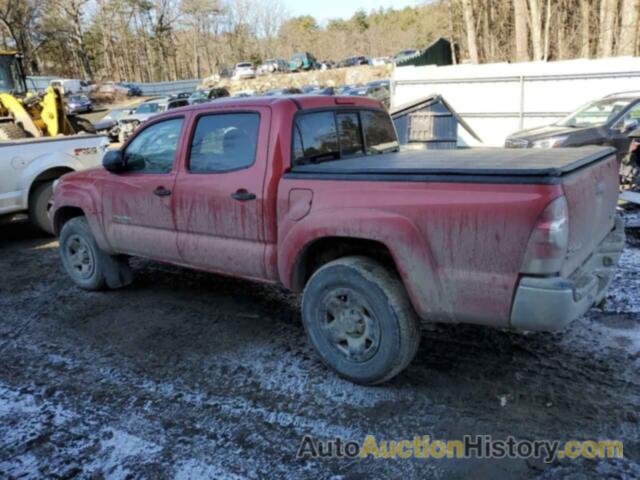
<point x="349" y="325"/>
<point x="80" y="257"/>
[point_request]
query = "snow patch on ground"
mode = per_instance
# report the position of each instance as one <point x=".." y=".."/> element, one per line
<point x="117" y="448"/>
<point x="194" y="469"/>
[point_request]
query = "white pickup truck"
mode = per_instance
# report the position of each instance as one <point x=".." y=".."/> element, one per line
<point x="29" y="167"/>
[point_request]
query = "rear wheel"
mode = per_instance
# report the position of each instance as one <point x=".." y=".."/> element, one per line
<point x="87" y="265"/>
<point x="358" y="317"/>
<point x="39" y="205"/>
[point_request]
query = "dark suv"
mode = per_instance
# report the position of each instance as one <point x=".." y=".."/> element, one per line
<point x="207" y="95"/>
<point x="607" y="121"/>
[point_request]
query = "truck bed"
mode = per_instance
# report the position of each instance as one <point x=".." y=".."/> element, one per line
<point x="477" y="164"/>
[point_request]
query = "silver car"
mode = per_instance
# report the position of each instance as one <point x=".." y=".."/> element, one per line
<point x="144" y="112"/>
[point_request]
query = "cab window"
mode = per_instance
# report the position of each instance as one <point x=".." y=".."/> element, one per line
<point x="153" y="150"/>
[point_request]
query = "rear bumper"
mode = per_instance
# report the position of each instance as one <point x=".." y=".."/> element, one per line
<point x="550" y="303"/>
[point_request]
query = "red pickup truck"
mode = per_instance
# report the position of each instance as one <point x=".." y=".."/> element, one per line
<point x="314" y="194"/>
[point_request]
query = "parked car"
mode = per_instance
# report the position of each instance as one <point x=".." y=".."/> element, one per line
<point x="207" y="95"/>
<point x="386" y="83"/>
<point x="182" y="95"/>
<point x="282" y="91"/>
<point x="79" y="104"/>
<point x="607" y="121"/>
<point x="316" y="196"/>
<point x="379" y="92"/>
<point x="112" y="88"/>
<point x="109" y="125"/>
<point x="380" y="61"/>
<point x="317" y="90"/>
<point x="132" y="89"/>
<point x="326" y="65"/>
<point x="354" y="61"/>
<point x="244" y="70"/>
<point x="30" y="167"/>
<point x="343" y="89"/>
<point x="144" y="112"/>
<point x="405" y="54"/>
<point x="69" y="86"/>
<point x="244" y="93"/>
<point x="302" y="61"/>
<point x="273" y="65"/>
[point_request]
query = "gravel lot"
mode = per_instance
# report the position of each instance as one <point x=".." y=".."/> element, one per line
<point x="191" y="375"/>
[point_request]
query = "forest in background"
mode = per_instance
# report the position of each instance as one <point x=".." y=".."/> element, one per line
<point x="158" y="40"/>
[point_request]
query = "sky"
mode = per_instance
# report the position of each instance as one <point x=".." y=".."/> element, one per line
<point x="324" y="10"/>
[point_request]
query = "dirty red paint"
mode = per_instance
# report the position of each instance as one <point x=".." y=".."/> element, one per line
<point x="458" y="247"/>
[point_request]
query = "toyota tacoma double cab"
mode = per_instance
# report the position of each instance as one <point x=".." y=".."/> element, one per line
<point x="313" y="193"/>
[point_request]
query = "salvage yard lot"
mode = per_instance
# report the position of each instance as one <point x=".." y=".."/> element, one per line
<point x="189" y="375"/>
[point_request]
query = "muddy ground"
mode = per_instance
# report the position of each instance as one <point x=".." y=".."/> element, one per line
<point x="191" y="375"/>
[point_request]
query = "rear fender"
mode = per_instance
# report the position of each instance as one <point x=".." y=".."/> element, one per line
<point x="411" y="253"/>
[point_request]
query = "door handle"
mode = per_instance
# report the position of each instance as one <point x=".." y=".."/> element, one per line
<point x="162" y="192"/>
<point x="242" y="195"/>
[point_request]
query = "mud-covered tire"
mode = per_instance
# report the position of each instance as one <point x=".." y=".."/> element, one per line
<point x="11" y="131"/>
<point x="39" y="204"/>
<point x="358" y="317"/>
<point x="86" y="264"/>
<point x="80" y="124"/>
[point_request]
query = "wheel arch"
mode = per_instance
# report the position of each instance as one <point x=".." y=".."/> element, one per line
<point x="322" y="250"/>
<point x="50" y="174"/>
<point x="387" y="236"/>
<point x="63" y="214"/>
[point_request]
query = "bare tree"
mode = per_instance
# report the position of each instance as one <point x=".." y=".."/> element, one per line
<point x="536" y="29"/>
<point x="72" y="12"/>
<point x="629" y="15"/>
<point x="608" y="13"/>
<point x="586" y="28"/>
<point x="19" y="18"/>
<point x="521" y="30"/>
<point x="470" y="24"/>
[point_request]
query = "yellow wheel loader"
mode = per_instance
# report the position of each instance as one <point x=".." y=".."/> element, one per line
<point x="25" y="115"/>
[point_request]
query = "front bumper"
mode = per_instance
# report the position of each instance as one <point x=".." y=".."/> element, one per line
<point x="550" y="303"/>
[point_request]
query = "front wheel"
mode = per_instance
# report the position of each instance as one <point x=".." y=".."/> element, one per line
<point x="358" y="317"/>
<point x="88" y="266"/>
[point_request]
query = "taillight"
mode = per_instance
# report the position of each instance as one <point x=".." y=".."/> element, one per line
<point x="549" y="240"/>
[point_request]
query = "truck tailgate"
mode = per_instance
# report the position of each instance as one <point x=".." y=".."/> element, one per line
<point x="591" y="193"/>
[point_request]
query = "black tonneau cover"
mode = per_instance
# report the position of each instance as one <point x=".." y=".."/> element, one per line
<point x="468" y="162"/>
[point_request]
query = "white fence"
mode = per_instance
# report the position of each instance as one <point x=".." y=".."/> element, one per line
<point x="499" y="99"/>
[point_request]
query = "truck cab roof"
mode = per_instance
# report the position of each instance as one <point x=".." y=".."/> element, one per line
<point x="302" y="102"/>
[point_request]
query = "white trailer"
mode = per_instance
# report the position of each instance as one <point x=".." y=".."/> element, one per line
<point x="498" y="99"/>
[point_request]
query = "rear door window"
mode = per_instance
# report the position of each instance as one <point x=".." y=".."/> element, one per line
<point x="350" y="133"/>
<point x="332" y="135"/>
<point x="315" y="137"/>
<point x="380" y="135"/>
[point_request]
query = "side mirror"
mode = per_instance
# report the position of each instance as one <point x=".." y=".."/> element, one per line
<point x="113" y="161"/>
<point x="630" y="124"/>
